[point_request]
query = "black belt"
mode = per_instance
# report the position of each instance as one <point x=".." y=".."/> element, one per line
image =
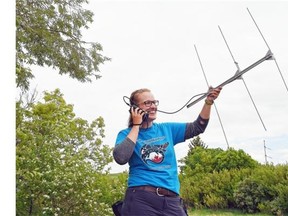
<point x="158" y="190"/>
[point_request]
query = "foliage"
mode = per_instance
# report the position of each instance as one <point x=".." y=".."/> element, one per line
<point x="279" y="205"/>
<point x="196" y="142"/>
<point x="234" y="159"/>
<point x="249" y="195"/>
<point x="201" y="159"/>
<point x="119" y="185"/>
<point x="48" y="33"/>
<point x="198" y="155"/>
<point x="212" y="190"/>
<point x="265" y="190"/>
<point x="60" y="160"/>
<point x="218" y="179"/>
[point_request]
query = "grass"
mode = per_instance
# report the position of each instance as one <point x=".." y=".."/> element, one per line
<point x="208" y="212"/>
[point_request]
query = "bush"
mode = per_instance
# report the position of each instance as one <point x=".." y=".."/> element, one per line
<point x="218" y="179"/>
<point x="249" y="195"/>
<point x="278" y="188"/>
<point x="266" y="190"/>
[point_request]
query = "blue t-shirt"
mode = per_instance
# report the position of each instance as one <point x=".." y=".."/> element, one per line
<point x="153" y="161"/>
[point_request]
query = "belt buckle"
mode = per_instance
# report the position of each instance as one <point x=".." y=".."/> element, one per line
<point x="157" y="192"/>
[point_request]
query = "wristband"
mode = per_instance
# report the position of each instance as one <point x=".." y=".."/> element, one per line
<point x="209" y="103"/>
<point x="137" y="124"/>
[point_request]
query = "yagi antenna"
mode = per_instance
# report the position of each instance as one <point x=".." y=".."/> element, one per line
<point x="268" y="56"/>
<point x="238" y="69"/>
<point x="236" y="76"/>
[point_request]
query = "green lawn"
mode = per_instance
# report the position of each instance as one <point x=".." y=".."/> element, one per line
<point x="220" y="213"/>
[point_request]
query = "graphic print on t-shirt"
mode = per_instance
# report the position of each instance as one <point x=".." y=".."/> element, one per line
<point x="153" y="153"/>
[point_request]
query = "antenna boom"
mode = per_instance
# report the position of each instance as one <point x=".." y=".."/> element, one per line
<point x="236" y="76"/>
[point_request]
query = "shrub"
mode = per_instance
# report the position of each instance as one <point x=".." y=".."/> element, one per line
<point x="249" y="195"/>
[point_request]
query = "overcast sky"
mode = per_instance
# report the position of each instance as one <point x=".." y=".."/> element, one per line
<point x="151" y="44"/>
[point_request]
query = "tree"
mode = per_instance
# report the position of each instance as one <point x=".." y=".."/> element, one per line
<point x="209" y="176"/>
<point x="200" y="158"/>
<point x="60" y="160"/>
<point x="196" y="142"/>
<point x="48" y="34"/>
<point x="234" y="159"/>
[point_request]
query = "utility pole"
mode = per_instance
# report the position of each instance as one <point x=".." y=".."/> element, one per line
<point x="266" y="161"/>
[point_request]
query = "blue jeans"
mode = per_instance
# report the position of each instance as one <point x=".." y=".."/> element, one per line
<point x="144" y="203"/>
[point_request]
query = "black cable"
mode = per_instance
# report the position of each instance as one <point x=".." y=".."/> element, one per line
<point x="201" y="94"/>
<point x="126" y="101"/>
<point x="183" y="105"/>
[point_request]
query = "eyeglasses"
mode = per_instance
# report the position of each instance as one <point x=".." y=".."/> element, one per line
<point x="149" y="103"/>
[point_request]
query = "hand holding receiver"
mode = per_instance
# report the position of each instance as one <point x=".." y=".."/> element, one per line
<point x="138" y="115"/>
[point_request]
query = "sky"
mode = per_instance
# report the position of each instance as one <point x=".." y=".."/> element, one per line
<point x="152" y="44"/>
